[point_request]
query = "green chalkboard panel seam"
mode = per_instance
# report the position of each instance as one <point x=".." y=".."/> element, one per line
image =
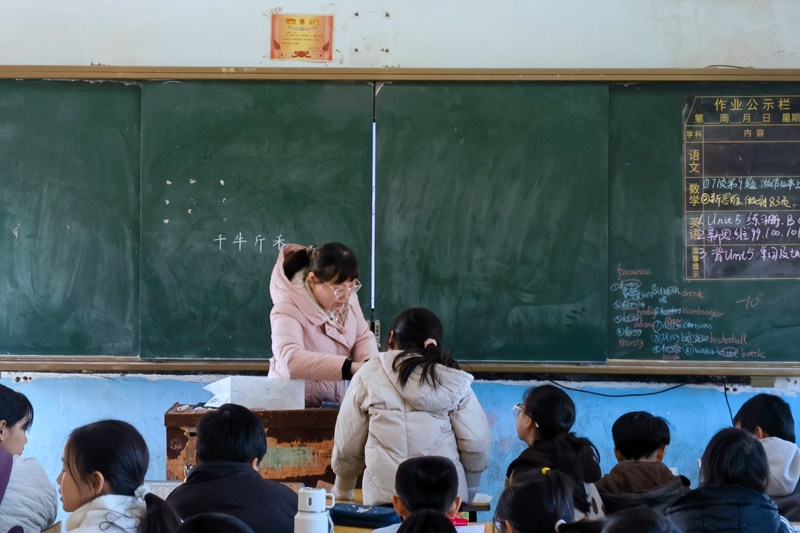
<point x="230" y="171"/>
<point x="492" y="212"/>
<point x="69" y="218"/>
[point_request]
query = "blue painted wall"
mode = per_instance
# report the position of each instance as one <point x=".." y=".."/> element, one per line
<point x="63" y="402"/>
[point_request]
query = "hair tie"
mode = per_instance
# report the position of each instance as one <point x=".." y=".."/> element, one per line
<point x="141" y="491"/>
<point x="545" y="470"/>
<point x="428" y="342"/>
<point x="558" y="524"/>
<point x="310" y="250"/>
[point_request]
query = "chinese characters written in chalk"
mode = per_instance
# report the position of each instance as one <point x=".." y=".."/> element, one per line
<point x="239" y="242"/>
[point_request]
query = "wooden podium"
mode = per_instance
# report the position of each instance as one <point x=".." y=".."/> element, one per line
<point x="299" y="443"/>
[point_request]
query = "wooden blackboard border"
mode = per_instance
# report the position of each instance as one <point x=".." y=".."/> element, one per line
<point x="130" y="73"/>
<point x="134" y="365"/>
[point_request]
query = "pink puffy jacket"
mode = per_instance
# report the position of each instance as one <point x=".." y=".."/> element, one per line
<point x="306" y="345"/>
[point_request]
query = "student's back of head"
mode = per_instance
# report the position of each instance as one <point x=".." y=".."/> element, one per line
<point x="639" y="435"/>
<point x="427" y="521"/>
<point x="426" y="483"/>
<point x="770" y="413"/>
<point x="535" y="502"/>
<point x="639" y="520"/>
<point x="231" y="433"/>
<point x="418" y="333"/>
<point x="734" y="457"/>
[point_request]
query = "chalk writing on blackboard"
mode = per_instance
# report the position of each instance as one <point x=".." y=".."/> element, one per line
<point x="742" y="188"/>
<point x="674" y="322"/>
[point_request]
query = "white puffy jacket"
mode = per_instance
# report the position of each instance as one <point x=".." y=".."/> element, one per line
<point x="30" y="500"/>
<point x="381" y="424"/>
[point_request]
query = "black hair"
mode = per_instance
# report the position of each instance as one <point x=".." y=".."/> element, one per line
<point x="553" y="411"/>
<point x="412" y="328"/>
<point x="639" y="434"/>
<point x="640" y="520"/>
<point x="118" y="451"/>
<point x="771" y="413"/>
<point x="535" y="502"/>
<point x="213" y="523"/>
<point x="159" y="517"/>
<point x="112" y="447"/>
<point x="734" y="457"/>
<point x="231" y="433"/>
<point x="332" y="262"/>
<point x="426" y="483"/>
<point x="15" y="406"/>
<point x="427" y="521"/>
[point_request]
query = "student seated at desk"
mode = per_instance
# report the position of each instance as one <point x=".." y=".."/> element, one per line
<point x="731" y="497"/>
<point x="541" y="501"/>
<point x="230" y="443"/>
<point x="30" y="500"/>
<point x="770" y="419"/>
<point x="425" y="483"/>
<point x="543" y="421"/>
<point x="640" y="479"/>
<point x="409" y="402"/>
<point x="102" y="482"/>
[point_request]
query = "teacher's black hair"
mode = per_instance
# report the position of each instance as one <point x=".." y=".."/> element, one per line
<point x="411" y="329"/>
<point x="333" y="262"/>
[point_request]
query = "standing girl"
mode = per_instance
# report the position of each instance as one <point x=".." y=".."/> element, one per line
<point x="29" y="499"/>
<point x="318" y="330"/>
<point x="543" y="422"/>
<point x="408" y="402"/>
<point x="102" y="482"/>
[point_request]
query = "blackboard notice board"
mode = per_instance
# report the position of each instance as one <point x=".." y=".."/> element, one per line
<point x="742" y="187"/>
<point x="69" y="218"/>
<point x="492" y="212"/>
<point x="703" y="227"/>
<point x="229" y="172"/>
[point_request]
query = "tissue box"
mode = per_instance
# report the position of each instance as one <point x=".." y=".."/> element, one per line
<point x="258" y="393"/>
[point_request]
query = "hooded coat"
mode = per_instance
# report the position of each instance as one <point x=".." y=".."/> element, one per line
<point x="121" y="514"/>
<point x="640" y="484"/>
<point x="308" y="343"/>
<point x="727" y="509"/>
<point x="381" y="424"/>
<point x="784" y="475"/>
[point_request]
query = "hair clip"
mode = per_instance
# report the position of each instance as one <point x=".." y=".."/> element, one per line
<point x="545" y="470"/>
<point x="558" y="524"/>
<point x="310" y="250"/>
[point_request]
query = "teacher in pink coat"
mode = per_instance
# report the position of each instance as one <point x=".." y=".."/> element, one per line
<point x="318" y="330"/>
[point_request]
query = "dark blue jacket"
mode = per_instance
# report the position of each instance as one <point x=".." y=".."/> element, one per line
<point x="727" y="509"/>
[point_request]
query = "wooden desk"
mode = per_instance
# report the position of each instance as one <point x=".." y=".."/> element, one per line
<point x="299" y="443"/>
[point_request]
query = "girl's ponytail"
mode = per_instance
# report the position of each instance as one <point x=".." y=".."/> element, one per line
<point x="159" y="517"/>
<point x="573" y="454"/>
<point x="418" y="332"/>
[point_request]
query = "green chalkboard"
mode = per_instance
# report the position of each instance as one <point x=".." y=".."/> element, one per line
<point x="492" y="212"/>
<point x="229" y="170"/>
<point x="702" y="245"/>
<point x="69" y="218"/>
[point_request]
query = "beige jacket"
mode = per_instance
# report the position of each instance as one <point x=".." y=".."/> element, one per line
<point x="306" y="342"/>
<point x="381" y="424"/>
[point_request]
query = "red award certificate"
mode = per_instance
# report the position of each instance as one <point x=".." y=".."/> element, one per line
<point x="302" y="37"/>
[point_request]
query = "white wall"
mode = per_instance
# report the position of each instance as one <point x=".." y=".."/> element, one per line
<point x="418" y="33"/>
